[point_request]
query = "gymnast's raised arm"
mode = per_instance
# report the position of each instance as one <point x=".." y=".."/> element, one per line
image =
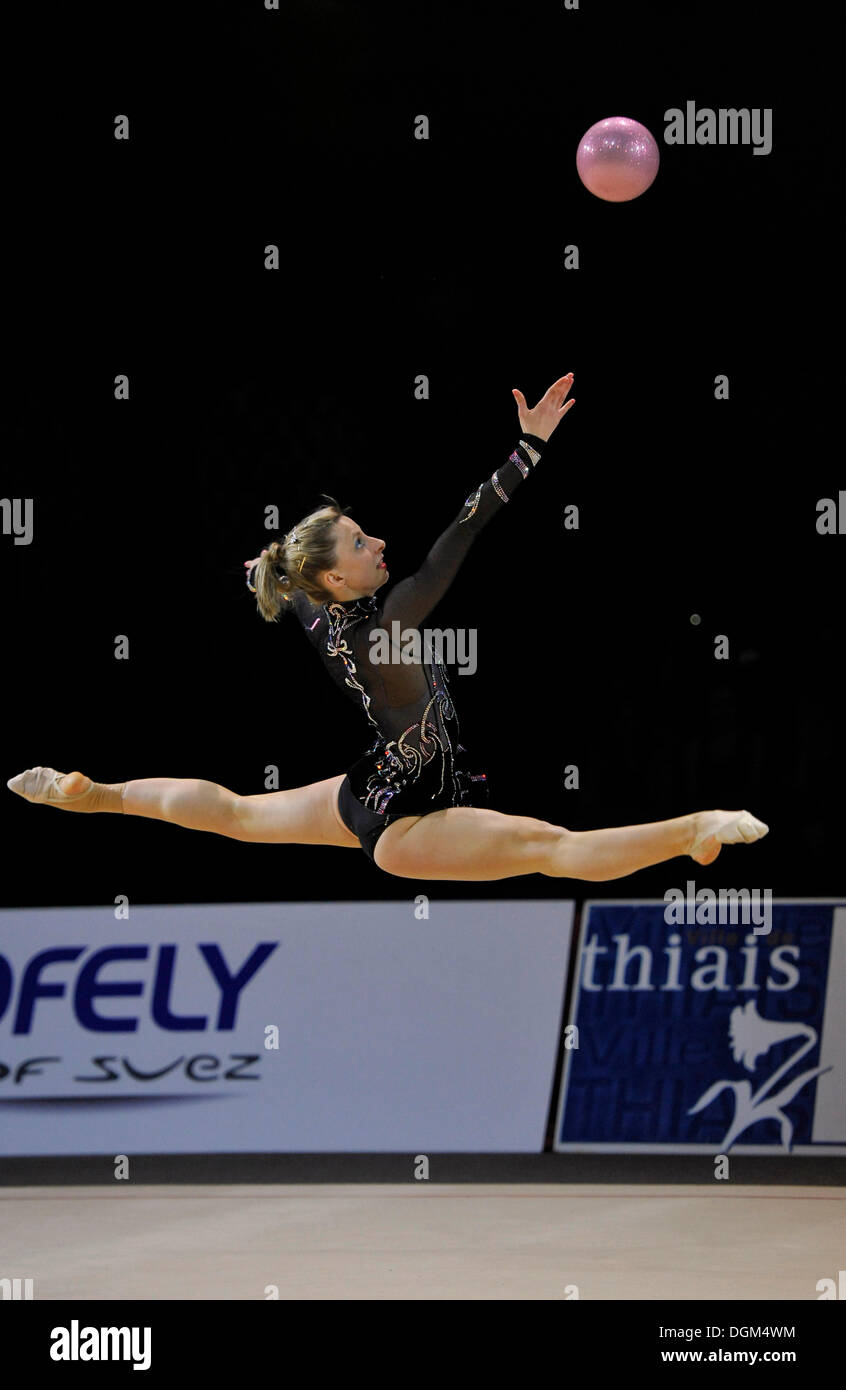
<point x="415" y="597"/>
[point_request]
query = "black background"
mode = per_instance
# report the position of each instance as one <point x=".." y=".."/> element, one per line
<point x="442" y="257"/>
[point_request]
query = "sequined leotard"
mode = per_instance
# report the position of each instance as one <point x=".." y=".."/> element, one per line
<point x="416" y="763"/>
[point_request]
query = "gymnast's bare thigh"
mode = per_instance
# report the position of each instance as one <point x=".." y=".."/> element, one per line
<point x="341" y="835"/>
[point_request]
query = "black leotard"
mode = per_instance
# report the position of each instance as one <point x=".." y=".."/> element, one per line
<point x="416" y="764"/>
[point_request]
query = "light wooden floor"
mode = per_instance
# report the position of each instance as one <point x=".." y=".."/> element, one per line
<point x="423" y="1242"/>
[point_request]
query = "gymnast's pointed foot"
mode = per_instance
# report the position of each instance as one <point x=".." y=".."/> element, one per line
<point x="71" y="791"/>
<point x="713" y="829"/>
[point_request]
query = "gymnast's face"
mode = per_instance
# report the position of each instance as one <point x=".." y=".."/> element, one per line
<point x="359" y="566"/>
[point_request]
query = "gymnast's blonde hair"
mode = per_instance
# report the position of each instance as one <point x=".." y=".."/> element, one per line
<point x="295" y="561"/>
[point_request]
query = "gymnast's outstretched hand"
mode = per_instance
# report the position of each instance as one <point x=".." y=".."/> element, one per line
<point x="548" y="411"/>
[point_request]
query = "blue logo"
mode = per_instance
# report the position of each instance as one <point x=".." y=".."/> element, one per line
<point x="700" y="1036"/>
<point x="27" y="999"/>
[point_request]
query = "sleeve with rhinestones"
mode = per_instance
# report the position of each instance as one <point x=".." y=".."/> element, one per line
<point x="494" y="492"/>
<point x="412" y="599"/>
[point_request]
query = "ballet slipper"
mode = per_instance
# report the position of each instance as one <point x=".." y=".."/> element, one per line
<point x="717" y="828"/>
<point x="41" y="785"/>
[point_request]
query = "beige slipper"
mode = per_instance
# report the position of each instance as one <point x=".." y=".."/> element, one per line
<point x="729" y="828"/>
<point x="41" y="786"/>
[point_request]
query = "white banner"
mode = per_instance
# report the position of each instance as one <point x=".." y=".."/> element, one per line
<point x="293" y="1027"/>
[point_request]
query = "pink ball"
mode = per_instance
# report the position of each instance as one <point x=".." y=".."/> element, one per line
<point x="617" y="159"/>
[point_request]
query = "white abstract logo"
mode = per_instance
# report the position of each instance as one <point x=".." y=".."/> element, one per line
<point x="751" y="1037"/>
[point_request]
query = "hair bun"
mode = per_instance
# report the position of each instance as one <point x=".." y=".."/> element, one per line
<point x="275" y="557"/>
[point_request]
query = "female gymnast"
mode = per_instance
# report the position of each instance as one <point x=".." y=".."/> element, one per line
<point x="412" y="802"/>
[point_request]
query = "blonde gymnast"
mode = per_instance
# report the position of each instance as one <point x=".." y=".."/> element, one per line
<point x="414" y="801"/>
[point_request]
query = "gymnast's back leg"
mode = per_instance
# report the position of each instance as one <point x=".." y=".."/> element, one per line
<point x="305" y="815"/>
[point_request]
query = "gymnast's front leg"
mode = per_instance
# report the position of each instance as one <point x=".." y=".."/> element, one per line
<point x="473" y="844"/>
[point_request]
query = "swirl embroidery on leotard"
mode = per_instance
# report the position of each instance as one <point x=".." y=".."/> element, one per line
<point x="472" y="502"/>
<point x="398" y="754"/>
<point x="337" y="645"/>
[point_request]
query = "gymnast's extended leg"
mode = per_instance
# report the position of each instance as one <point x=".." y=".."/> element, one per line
<point x="300" y="815"/>
<point x="473" y="844"/>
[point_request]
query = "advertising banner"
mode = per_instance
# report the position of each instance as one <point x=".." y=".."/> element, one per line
<point x="296" y="1027"/>
<point x="705" y="1027"/>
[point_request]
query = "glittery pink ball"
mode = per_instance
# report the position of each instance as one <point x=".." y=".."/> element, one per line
<point x="617" y="159"/>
